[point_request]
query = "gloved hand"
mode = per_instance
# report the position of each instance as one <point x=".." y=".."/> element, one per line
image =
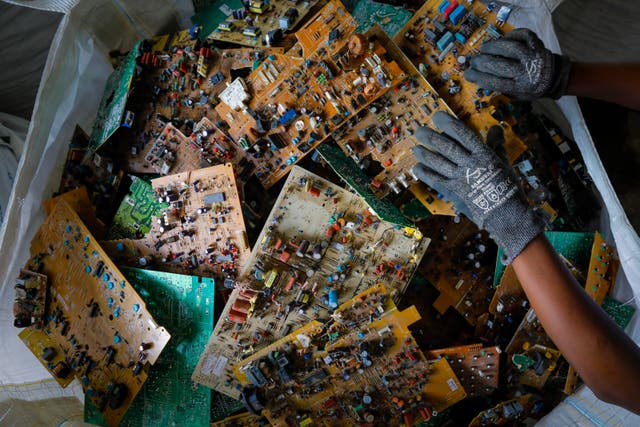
<point x="481" y="185"/>
<point x="520" y="66"/>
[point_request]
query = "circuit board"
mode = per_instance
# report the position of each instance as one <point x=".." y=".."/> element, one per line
<point x="184" y="304"/>
<point x="251" y="23"/>
<point x="505" y="412"/>
<point x="384" y="131"/>
<point x="476" y="367"/>
<point x="428" y="40"/>
<point x="44" y="346"/>
<point x="619" y="312"/>
<point x="79" y="201"/>
<point x="201" y="232"/>
<point x="177" y="90"/>
<point x="459" y="265"/>
<point x="241" y="420"/>
<point x="361" y="366"/>
<point x="32" y="294"/>
<point x="602" y="271"/>
<point x="289" y="105"/>
<point x="134" y="217"/>
<point x="369" y="13"/>
<point x="321" y="245"/>
<point x="114" y="101"/>
<point x="112" y="347"/>
<point x="532" y="352"/>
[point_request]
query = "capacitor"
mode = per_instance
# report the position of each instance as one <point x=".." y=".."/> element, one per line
<point x="461" y="59"/>
<point x="393" y="186"/>
<point x="357" y="82"/>
<point x="310" y="272"/>
<point x="302" y="249"/>
<point x="317" y="251"/>
<point x="333" y="299"/>
<point x="330" y="231"/>
<point x="366" y="399"/>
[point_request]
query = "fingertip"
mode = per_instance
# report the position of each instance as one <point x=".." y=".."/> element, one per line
<point x="424" y="133"/>
<point x="443" y="120"/>
<point x="471" y="75"/>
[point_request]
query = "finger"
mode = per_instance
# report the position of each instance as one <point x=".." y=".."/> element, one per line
<point x="457" y="130"/>
<point x="441" y="143"/>
<point x="505" y="48"/>
<point x="430" y="177"/>
<point x="526" y="36"/>
<point x="435" y="161"/>
<point x="497" y="65"/>
<point x="439" y="183"/>
<point x="490" y="81"/>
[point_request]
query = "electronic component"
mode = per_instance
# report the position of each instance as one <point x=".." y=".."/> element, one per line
<point x="321" y="245"/>
<point x="362" y="365"/>
<point x="29" y="307"/>
<point x="65" y="251"/>
<point x="201" y="231"/>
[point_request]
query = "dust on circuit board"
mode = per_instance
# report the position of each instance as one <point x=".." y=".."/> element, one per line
<point x="201" y="231"/>
<point x="320" y="246"/>
<point x="363" y="365"/>
<point x="111" y="349"/>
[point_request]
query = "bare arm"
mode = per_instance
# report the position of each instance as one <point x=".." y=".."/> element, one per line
<point x="616" y="83"/>
<point x="604" y="356"/>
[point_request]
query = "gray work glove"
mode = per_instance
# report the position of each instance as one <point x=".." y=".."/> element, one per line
<point x="520" y="66"/>
<point x="481" y="185"/>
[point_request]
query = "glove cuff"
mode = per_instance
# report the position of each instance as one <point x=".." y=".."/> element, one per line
<point x="514" y="228"/>
<point x="561" y="72"/>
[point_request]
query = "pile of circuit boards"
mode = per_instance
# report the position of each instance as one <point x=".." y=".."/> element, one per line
<point x="241" y="241"/>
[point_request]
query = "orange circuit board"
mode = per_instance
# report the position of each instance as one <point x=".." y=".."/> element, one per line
<point x="95" y="317"/>
<point x="321" y="245"/>
<point x="200" y="232"/>
<point x="362" y="366"/>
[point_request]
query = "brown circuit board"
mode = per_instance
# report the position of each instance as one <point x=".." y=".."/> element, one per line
<point x="241" y="420"/>
<point x="445" y="71"/>
<point x="95" y="317"/>
<point x="201" y="232"/>
<point x="248" y="26"/>
<point x="32" y="294"/>
<point x="42" y="345"/>
<point x="504" y="413"/>
<point x="320" y="246"/>
<point x="185" y="97"/>
<point x="476" y="367"/>
<point x="79" y="201"/>
<point x="362" y="366"/>
<point x="290" y="104"/>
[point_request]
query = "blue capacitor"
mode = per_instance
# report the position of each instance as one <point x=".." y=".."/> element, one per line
<point x="443" y="6"/>
<point x="445" y="40"/>
<point x="461" y="38"/>
<point x="333" y="299"/>
<point x="120" y="246"/>
<point x="457" y="14"/>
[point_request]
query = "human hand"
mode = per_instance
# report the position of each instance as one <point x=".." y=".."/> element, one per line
<point x="481" y="185"/>
<point x="519" y="65"/>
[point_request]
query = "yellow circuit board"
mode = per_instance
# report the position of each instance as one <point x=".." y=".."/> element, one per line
<point x="362" y="366"/>
<point x="38" y="341"/>
<point x="259" y="19"/>
<point x="445" y="72"/>
<point x="320" y="246"/>
<point x="289" y="105"/>
<point x="476" y="367"/>
<point x="240" y="420"/>
<point x="95" y="317"/>
<point x="201" y="232"/>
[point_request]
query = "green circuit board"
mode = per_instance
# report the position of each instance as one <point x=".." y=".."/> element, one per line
<point x="359" y="181"/>
<point x="391" y="18"/>
<point x="114" y="101"/>
<point x="185" y="305"/>
<point x="619" y="312"/>
<point x="574" y="246"/>
<point x="136" y="212"/>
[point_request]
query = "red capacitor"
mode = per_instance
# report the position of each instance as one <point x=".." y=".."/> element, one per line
<point x="289" y="284"/>
<point x="278" y="244"/>
<point x="387" y="163"/>
<point x="450" y="9"/>
<point x="314" y="191"/>
<point x="241" y="305"/>
<point x="284" y="256"/>
<point x="376" y="183"/>
<point x="330" y="231"/>
<point x="236" y="316"/>
<point x="368" y="220"/>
